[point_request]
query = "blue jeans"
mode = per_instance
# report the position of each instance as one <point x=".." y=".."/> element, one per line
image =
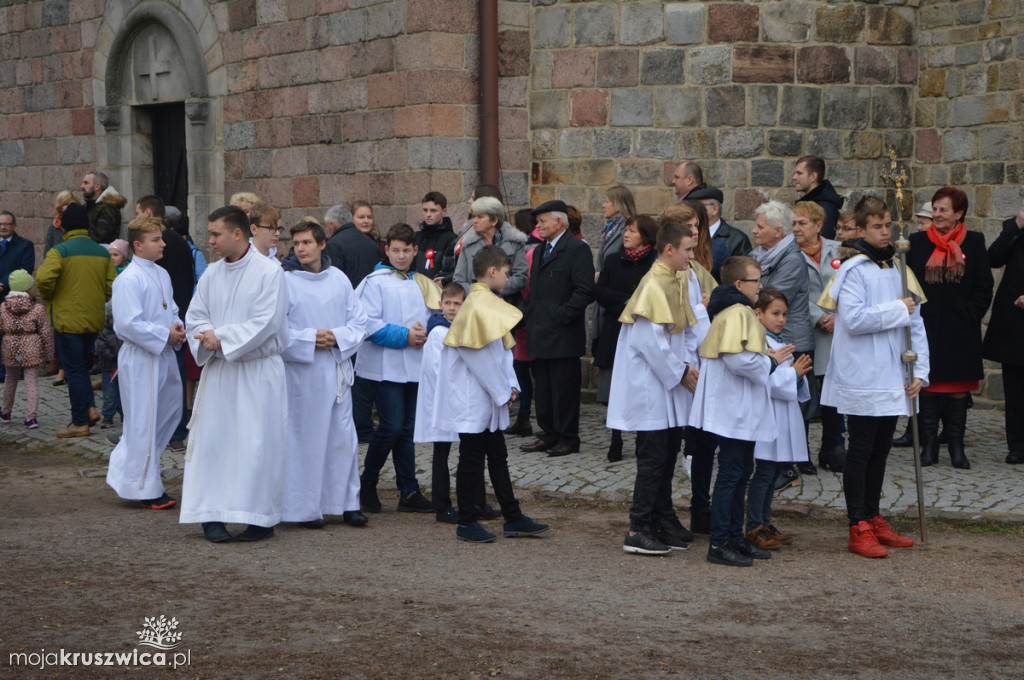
<point x="362" y="407"/>
<point x="759" y="496"/>
<point x="76" y="352"/>
<point x="396" y="407"/>
<point x="111" y="397"/>
<point x="522" y="369"/>
<point x="181" y="432"/>
<point x="735" y="464"/>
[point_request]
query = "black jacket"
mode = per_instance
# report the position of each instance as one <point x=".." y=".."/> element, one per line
<point x="19" y="254"/>
<point x="952" y="316"/>
<point x="180" y="266"/>
<point x="561" y="287"/>
<point x="826" y="196"/>
<point x="439" y="238"/>
<point x="1004" y="338"/>
<point x="353" y="252"/>
<point x="736" y="242"/>
<point x="618" y="279"/>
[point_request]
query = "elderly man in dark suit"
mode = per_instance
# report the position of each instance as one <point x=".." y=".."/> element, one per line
<point x="16" y="252"/>
<point x="561" y="287"/>
<point x="736" y="242"/>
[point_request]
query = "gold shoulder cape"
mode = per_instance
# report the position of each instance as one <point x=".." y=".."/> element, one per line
<point x="735" y="329"/>
<point x="484" y="318"/>
<point x="661" y="297"/>
<point x="827" y="302"/>
<point x="431" y="293"/>
<point x="704" y="277"/>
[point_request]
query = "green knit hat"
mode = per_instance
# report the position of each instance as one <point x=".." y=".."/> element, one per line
<point x="20" y="280"/>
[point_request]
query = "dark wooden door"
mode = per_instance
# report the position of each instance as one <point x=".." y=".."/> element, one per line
<point x="170" y="160"/>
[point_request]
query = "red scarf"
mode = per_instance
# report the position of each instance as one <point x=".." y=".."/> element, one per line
<point x="946" y="263"/>
<point x="635" y="255"/>
<point x="814" y="252"/>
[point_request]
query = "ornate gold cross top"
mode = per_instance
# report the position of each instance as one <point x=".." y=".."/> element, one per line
<point x="898" y="179"/>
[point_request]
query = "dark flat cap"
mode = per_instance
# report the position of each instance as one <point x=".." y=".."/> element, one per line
<point x="74" y="217"/>
<point x="550" y="206"/>
<point x="707" y="192"/>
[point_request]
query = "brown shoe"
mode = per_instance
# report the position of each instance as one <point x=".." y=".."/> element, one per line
<point x="561" y="449"/>
<point x="73" y="430"/>
<point x="94" y="415"/>
<point x="760" y="538"/>
<point x="778" y="535"/>
<point x="536" y="446"/>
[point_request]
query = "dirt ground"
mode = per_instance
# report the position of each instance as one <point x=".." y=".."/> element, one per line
<point x="80" y="570"/>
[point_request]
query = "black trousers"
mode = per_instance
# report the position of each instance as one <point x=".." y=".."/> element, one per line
<point x="870" y="441"/>
<point x="440" y="480"/>
<point x="831" y="421"/>
<point x="700" y="447"/>
<point x="1013" y="386"/>
<point x="475" y="450"/>
<point x="556" y="393"/>
<point x="656" y="454"/>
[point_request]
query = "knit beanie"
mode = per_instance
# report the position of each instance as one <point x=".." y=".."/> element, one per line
<point x="74" y="217"/>
<point x="121" y="246"/>
<point x="20" y="280"/>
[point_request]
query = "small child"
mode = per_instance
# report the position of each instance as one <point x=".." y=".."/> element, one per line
<point x="452" y="297"/>
<point x="732" y="401"/>
<point x="398" y="301"/>
<point x="27" y="344"/>
<point x="107" y="347"/>
<point x="476" y="383"/>
<point x="788" y="387"/>
<point x="119" y="252"/>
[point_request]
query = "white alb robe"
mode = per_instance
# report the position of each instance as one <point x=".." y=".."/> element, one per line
<point x="865" y="375"/>
<point x="390" y="298"/>
<point x="424" y="431"/>
<point x="790" y="444"/>
<point x="474" y="388"/>
<point x="147" y="373"/>
<point x="234" y="470"/>
<point x="321" y="474"/>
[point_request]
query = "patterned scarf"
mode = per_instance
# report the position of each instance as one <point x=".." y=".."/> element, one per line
<point x="635" y="255"/>
<point x="814" y="251"/>
<point x="610" y="225"/>
<point x="946" y="263"/>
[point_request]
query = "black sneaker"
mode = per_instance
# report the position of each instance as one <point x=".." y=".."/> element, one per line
<point x="642" y="544"/>
<point x="748" y="549"/>
<point x="216" y="532"/>
<point x="488" y="511"/>
<point x="255" y="532"/>
<point x="474" y="533"/>
<point x="449" y="515"/>
<point x="672" y="539"/>
<point x="728" y="557"/>
<point x="807" y="468"/>
<point x="676" y="528"/>
<point x="415" y="502"/>
<point x="313" y="523"/>
<point x="368" y="499"/>
<point x="786" y="477"/>
<point x="354" y="518"/>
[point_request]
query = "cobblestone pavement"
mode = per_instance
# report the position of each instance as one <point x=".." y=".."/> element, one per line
<point x="990" y="489"/>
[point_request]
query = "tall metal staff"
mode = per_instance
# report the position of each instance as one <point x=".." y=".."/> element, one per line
<point x="909" y="356"/>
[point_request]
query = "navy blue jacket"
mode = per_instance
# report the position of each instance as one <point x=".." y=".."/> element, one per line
<point x="20" y="254"/>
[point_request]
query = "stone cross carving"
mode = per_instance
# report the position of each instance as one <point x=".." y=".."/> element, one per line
<point x="155" y="68"/>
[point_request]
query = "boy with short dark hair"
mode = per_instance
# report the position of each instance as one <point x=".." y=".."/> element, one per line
<point x="435" y="240"/>
<point x="656" y="372"/>
<point x="398" y="302"/>
<point x="733" y="402"/>
<point x="476" y="384"/>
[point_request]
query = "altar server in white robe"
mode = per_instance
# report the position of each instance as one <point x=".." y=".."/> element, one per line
<point x="237" y="327"/>
<point x="326" y="325"/>
<point x="652" y="393"/>
<point x="866" y="379"/>
<point x="146" y="319"/>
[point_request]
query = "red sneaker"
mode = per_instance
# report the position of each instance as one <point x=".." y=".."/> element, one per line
<point x="864" y="542"/>
<point x="886" y="536"/>
<point x="162" y="503"/>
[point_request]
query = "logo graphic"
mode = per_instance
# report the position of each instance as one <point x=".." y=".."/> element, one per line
<point x="159" y="632"/>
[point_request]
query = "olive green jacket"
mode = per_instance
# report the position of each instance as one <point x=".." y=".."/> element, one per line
<point x="75" y="281"/>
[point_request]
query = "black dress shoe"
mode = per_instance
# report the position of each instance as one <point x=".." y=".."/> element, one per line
<point x="314" y="524"/>
<point x="748" y="549"/>
<point x="216" y="532"/>
<point x="536" y="446"/>
<point x="354" y="518"/>
<point x="807" y="468"/>
<point x="368" y="499"/>
<point x="1015" y="457"/>
<point x="725" y="555"/>
<point x="255" y="532"/>
<point x="560" y="450"/>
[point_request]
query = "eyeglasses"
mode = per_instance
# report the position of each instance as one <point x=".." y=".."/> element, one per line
<point x="276" y="230"/>
<point x="842" y="228"/>
<point x="757" y="281"/>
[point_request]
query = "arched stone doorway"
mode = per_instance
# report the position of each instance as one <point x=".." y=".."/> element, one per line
<point x="158" y="78"/>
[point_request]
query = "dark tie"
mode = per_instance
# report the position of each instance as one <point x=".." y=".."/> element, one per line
<point x="547" y="252"/>
<point x="3" y="246"/>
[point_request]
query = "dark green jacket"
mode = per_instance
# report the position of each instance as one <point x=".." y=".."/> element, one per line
<point x="75" y="281"/>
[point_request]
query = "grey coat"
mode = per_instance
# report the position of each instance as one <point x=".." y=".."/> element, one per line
<point x="818" y="277"/>
<point x="789" y="274"/>
<point x="509" y="239"/>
